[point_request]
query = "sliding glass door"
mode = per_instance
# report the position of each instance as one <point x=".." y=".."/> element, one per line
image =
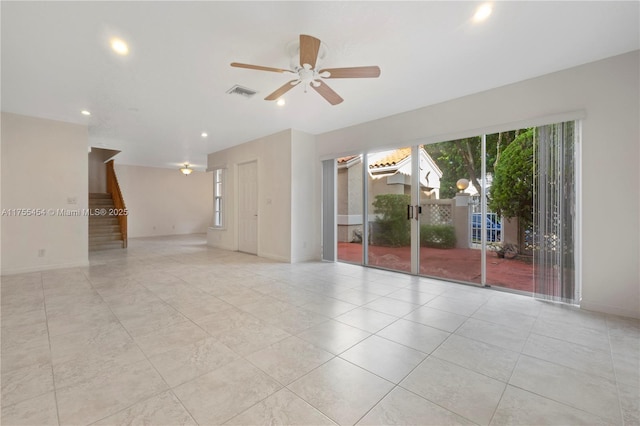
<point x="492" y="210"/>
<point x="390" y="209"/>
<point x="350" y="212"/>
<point x="448" y="190"/>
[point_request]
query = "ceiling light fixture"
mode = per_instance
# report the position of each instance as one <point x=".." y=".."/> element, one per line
<point x="280" y="102"/>
<point x="119" y="46"/>
<point x="204" y="134"/>
<point x="85" y="112"/>
<point x="482" y="12"/>
<point x="186" y="170"/>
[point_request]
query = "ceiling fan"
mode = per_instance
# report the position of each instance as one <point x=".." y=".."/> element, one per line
<point x="307" y="74"/>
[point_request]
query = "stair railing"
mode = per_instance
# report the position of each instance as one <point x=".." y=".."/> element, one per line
<point x="113" y="188"/>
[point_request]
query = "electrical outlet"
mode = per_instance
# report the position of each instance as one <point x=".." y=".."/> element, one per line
<point x="42" y="252"/>
<point x="72" y="200"/>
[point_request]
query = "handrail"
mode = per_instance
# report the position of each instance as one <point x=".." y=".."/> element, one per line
<point x="113" y="188"/>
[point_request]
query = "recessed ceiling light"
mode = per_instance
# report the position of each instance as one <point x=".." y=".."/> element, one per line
<point x="204" y="134"/>
<point x="482" y="13"/>
<point x="85" y="112"/>
<point x="119" y="46"/>
<point x="280" y="102"/>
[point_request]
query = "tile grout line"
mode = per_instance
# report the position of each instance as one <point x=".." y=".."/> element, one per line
<point x="515" y="366"/>
<point x="169" y="388"/>
<point x="615" y="374"/>
<point x="53" y="376"/>
<point x="522" y="354"/>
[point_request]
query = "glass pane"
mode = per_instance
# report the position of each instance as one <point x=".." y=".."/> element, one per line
<point x="389" y="193"/>
<point x="510" y="175"/>
<point x="218" y="212"/>
<point x="350" y="202"/>
<point x="446" y="247"/>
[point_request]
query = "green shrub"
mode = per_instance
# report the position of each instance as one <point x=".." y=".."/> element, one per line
<point x="437" y="236"/>
<point x="391" y="227"/>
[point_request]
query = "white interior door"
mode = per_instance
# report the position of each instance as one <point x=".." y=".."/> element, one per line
<point x="248" y="207"/>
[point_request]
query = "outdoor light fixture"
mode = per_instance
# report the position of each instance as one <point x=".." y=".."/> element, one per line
<point x="186" y="170"/>
<point x="462" y="184"/>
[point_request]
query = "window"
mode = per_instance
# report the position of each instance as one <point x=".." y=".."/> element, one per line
<point x="218" y="177"/>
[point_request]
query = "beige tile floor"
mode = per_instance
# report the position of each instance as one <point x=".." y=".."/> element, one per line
<point x="171" y="332"/>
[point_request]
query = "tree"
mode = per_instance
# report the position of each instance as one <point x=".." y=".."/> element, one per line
<point x="511" y="193"/>
<point x="462" y="158"/>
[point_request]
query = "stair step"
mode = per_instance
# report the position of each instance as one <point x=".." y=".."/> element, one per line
<point x="94" y="195"/>
<point x="105" y="245"/>
<point x="102" y="220"/>
<point x="101" y="202"/>
<point x="103" y="229"/>
<point x="115" y="236"/>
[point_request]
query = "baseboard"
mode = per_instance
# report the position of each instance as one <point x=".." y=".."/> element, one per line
<point x="274" y="257"/>
<point x="40" y="268"/>
<point x="220" y="246"/>
<point x="308" y="258"/>
<point x="607" y="309"/>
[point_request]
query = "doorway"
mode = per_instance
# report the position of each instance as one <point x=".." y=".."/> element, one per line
<point x="248" y="207"/>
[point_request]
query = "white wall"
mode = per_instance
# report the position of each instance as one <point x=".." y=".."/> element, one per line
<point x="164" y="201"/>
<point x="98" y="168"/>
<point x="97" y="172"/>
<point x="305" y="207"/>
<point x="273" y="155"/>
<point x="608" y="94"/>
<point x="44" y="166"/>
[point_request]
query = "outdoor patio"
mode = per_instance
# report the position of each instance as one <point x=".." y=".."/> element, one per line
<point x="449" y="264"/>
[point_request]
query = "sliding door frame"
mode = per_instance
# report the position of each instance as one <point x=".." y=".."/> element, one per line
<point x="575" y="116"/>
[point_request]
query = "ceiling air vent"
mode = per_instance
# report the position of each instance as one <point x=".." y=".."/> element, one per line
<point x="242" y="91"/>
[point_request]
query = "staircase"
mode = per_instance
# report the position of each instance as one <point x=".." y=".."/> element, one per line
<point x="104" y="230"/>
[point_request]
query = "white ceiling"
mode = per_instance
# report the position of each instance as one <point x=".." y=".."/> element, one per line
<point x="154" y="103"/>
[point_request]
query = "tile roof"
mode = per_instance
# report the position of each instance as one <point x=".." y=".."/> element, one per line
<point x="343" y="160"/>
<point x="392" y="159"/>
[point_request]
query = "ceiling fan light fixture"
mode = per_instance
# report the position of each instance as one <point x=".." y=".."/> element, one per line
<point x="186" y="170"/>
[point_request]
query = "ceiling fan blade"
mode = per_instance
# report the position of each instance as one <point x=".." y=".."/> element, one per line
<point x="258" y="67"/>
<point x="327" y="92"/>
<point x="353" y="72"/>
<point x="282" y="90"/>
<point x="309" y="48"/>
